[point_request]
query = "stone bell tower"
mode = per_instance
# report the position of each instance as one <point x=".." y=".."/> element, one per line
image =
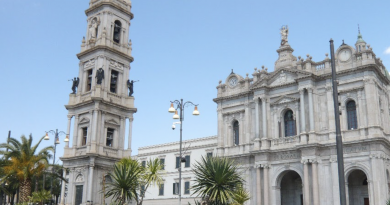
<point x="101" y="106"/>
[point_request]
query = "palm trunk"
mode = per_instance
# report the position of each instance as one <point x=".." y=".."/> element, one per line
<point x="25" y="190"/>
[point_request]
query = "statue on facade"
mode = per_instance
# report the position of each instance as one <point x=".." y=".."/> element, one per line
<point x="75" y="84"/>
<point x="99" y="76"/>
<point x="92" y="29"/>
<point x="130" y="85"/>
<point x="284" y="33"/>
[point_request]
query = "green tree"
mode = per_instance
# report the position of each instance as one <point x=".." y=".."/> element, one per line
<point x="217" y="180"/>
<point x="130" y="180"/>
<point x="240" y="196"/>
<point x="40" y="196"/>
<point x="24" y="162"/>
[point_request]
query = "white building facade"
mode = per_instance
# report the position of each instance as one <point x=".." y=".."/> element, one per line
<point x="281" y="126"/>
<point x="102" y="106"/>
<point x="168" y="154"/>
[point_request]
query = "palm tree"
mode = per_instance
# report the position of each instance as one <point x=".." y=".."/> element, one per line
<point x="217" y="179"/>
<point x="240" y="196"/>
<point x="130" y="180"/>
<point x="24" y="162"/>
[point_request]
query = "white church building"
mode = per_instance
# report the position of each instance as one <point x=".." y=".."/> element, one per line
<point x="278" y="125"/>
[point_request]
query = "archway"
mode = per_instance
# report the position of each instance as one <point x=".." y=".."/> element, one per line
<point x="291" y="189"/>
<point x="358" y="188"/>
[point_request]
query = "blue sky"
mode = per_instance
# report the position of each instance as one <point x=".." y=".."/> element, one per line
<point x="181" y="49"/>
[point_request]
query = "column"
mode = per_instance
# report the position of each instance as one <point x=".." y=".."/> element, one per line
<point x="302" y="102"/>
<point x="75" y="131"/>
<point x="311" y="112"/>
<point x="264" y="113"/>
<point x="258" y="184"/>
<point x="306" y="186"/>
<point x="63" y="188"/>
<point x="247" y="125"/>
<point x="257" y="118"/>
<point x="121" y="137"/>
<point x="220" y="126"/>
<point x="266" y="184"/>
<point x="90" y="182"/>
<point x="372" y="101"/>
<point x="68" y="129"/>
<point x="130" y="133"/>
<point x="316" y="191"/>
<point x="331" y="117"/>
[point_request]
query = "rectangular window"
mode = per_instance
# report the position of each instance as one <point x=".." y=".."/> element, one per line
<point x="188" y="161"/>
<point x="89" y="80"/>
<point x="210" y="154"/>
<point x="177" y="162"/>
<point x="175" y="188"/>
<point x="143" y="163"/>
<point x="161" y="190"/>
<point x="85" y="134"/>
<point x="186" y="187"/>
<point x="113" y="82"/>
<point x="162" y="162"/>
<point x="110" y="137"/>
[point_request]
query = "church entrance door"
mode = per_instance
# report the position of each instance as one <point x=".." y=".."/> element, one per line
<point x="291" y="189"/>
<point x="358" y="188"/>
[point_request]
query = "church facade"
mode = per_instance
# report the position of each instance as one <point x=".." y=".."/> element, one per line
<point x="102" y="106"/>
<point x="280" y="126"/>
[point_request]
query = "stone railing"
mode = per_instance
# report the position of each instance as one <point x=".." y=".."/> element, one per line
<point x="110" y="151"/>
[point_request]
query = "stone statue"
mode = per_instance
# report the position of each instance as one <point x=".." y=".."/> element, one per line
<point x="92" y="29"/>
<point x="75" y="84"/>
<point x="99" y="76"/>
<point x="130" y="85"/>
<point x="284" y="33"/>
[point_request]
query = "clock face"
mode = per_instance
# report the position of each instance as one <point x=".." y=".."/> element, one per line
<point x="233" y="81"/>
<point x="345" y="54"/>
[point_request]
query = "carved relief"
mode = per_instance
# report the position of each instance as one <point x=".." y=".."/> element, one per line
<point x="79" y="178"/>
<point x="117" y="65"/>
<point x="89" y="63"/>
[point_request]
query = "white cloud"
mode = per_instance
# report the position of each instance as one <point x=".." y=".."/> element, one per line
<point x="387" y="51"/>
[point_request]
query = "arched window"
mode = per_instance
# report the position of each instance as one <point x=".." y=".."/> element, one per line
<point x="289" y="124"/>
<point x="236" y="133"/>
<point x="117" y="31"/>
<point x="351" y="115"/>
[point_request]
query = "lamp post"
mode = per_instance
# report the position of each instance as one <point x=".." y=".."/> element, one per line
<point x="56" y="141"/>
<point x="180" y="106"/>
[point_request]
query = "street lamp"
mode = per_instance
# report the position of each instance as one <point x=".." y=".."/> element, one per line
<point x="56" y="141"/>
<point x="180" y="106"/>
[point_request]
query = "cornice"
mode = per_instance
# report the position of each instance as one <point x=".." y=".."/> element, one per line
<point x="176" y="150"/>
<point x="103" y="102"/>
<point x="242" y="94"/>
<point x="102" y="3"/>
<point x="101" y="47"/>
<point x="178" y="142"/>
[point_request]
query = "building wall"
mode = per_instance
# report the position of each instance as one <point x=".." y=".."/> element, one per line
<point x="195" y="148"/>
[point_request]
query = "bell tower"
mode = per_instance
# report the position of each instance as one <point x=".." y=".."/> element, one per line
<point x="101" y="108"/>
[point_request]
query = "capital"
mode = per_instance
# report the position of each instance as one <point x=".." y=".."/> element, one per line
<point x="309" y="89"/>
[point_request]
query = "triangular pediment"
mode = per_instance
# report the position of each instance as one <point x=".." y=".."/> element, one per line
<point x="84" y="120"/>
<point x="112" y="121"/>
<point x="284" y="99"/>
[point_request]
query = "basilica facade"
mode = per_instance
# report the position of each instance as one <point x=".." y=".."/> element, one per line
<point x="280" y="126"/>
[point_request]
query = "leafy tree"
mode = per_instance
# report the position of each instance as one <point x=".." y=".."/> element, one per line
<point x="217" y="180"/>
<point x="240" y="196"/>
<point x="130" y="180"/>
<point x="24" y="162"/>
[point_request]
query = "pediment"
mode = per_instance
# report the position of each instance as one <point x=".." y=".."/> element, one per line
<point x="282" y="77"/>
<point x="284" y="99"/>
<point x="84" y="120"/>
<point x="112" y="121"/>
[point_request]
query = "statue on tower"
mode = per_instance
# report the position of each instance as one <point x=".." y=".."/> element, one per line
<point x="99" y="76"/>
<point x="130" y="85"/>
<point x="93" y="29"/>
<point x="75" y="85"/>
<point x="284" y="33"/>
